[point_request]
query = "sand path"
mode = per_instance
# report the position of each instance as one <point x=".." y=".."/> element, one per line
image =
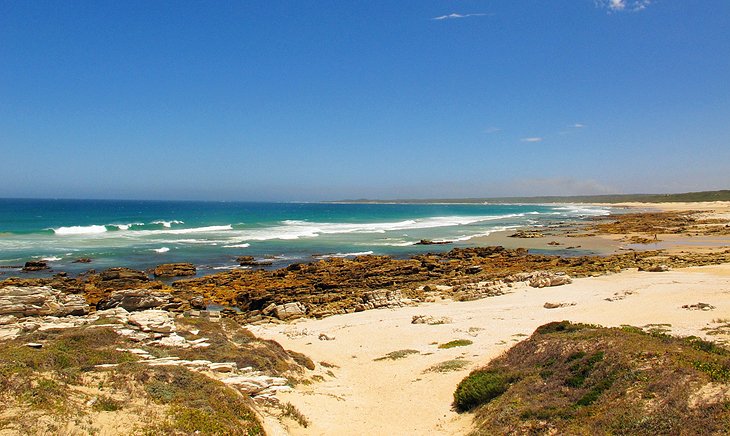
<point x="396" y="397"/>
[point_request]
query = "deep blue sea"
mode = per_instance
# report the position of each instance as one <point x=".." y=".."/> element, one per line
<point x="142" y="234"/>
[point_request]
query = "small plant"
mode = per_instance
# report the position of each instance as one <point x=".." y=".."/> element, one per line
<point x="107" y="404"/>
<point x="592" y="395"/>
<point x="716" y="371"/>
<point x="448" y="366"/>
<point x="395" y="355"/>
<point x="292" y="412"/>
<point x="707" y="346"/>
<point x="456" y="343"/>
<point x="481" y="387"/>
<point x="580" y="370"/>
<point x="561" y="327"/>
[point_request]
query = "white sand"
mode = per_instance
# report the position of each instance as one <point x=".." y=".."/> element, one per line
<point x="398" y="398"/>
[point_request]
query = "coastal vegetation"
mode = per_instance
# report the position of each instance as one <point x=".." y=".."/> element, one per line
<point x="68" y="380"/>
<point x="585" y="379"/>
<point x="720" y="195"/>
<point x="456" y="343"/>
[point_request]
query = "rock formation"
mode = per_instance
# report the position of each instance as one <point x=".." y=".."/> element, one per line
<point x="174" y="270"/>
<point x="40" y="301"/>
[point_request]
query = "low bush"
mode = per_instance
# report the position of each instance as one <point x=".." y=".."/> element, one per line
<point x="456" y="343"/>
<point x="481" y="387"/>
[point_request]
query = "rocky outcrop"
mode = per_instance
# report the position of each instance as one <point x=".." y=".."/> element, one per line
<point x="251" y="261"/>
<point x="338" y="285"/>
<point x="430" y="242"/>
<point x="654" y="268"/>
<point x="123" y="274"/>
<point x="290" y="310"/>
<point x="139" y="299"/>
<point x="549" y="305"/>
<point x="479" y="290"/>
<point x="35" y="265"/>
<point x="40" y="301"/>
<point x="156" y="321"/>
<point x="430" y="320"/>
<point x="543" y="279"/>
<point x="381" y="298"/>
<point x="174" y="270"/>
<point x="246" y="260"/>
<point x="526" y="234"/>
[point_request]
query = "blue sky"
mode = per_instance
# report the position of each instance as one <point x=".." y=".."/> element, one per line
<point x="316" y="100"/>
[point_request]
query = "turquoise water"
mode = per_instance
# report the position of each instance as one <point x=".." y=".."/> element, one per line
<point x="142" y="234"/>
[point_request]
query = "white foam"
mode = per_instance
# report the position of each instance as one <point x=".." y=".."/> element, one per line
<point x="388" y="244"/>
<point x="168" y="224"/>
<point x="126" y="226"/>
<point x="207" y="229"/>
<point x="358" y="253"/>
<point x="237" y="245"/>
<point x="51" y="258"/>
<point x="229" y="267"/>
<point x="161" y="250"/>
<point x="200" y="241"/>
<point x="295" y="229"/>
<point x="483" y="234"/>
<point x="80" y="230"/>
<point x="574" y="209"/>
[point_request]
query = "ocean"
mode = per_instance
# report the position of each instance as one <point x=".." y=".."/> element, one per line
<point x="142" y="234"/>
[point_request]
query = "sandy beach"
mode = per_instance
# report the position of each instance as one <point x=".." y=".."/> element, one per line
<point x="399" y="397"/>
<point x="361" y="395"/>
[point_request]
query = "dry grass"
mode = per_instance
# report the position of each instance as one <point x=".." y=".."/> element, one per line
<point x="289" y="410"/>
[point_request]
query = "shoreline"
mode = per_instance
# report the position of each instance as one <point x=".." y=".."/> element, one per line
<point x="342" y="318"/>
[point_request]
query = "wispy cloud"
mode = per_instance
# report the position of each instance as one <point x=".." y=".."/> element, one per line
<point x="623" y="5"/>
<point x="578" y="126"/>
<point x="492" y="130"/>
<point x="457" y="16"/>
<point x="532" y="139"/>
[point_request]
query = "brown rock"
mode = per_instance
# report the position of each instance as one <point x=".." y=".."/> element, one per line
<point x="246" y="260"/>
<point x="123" y="274"/>
<point x="139" y="299"/>
<point x="174" y="270"/>
<point x="430" y="242"/>
<point x="35" y="265"/>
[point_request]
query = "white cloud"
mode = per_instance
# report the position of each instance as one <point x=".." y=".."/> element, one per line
<point x="455" y="15"/>
<point x="492" y="130"/>
<point x="623" y="5"/>
<point x="578" y="126"/>
<point x="532" y="139"/>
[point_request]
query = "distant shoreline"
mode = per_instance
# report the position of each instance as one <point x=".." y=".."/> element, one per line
<point x="702" y="196"/>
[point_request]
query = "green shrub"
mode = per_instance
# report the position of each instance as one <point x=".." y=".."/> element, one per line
<point x="456" y="343"/>
<point x="716" y="371"/>
<point x="480" y="387"/>
<point x="580" y="370"/>
<point x="560" y="327"/>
